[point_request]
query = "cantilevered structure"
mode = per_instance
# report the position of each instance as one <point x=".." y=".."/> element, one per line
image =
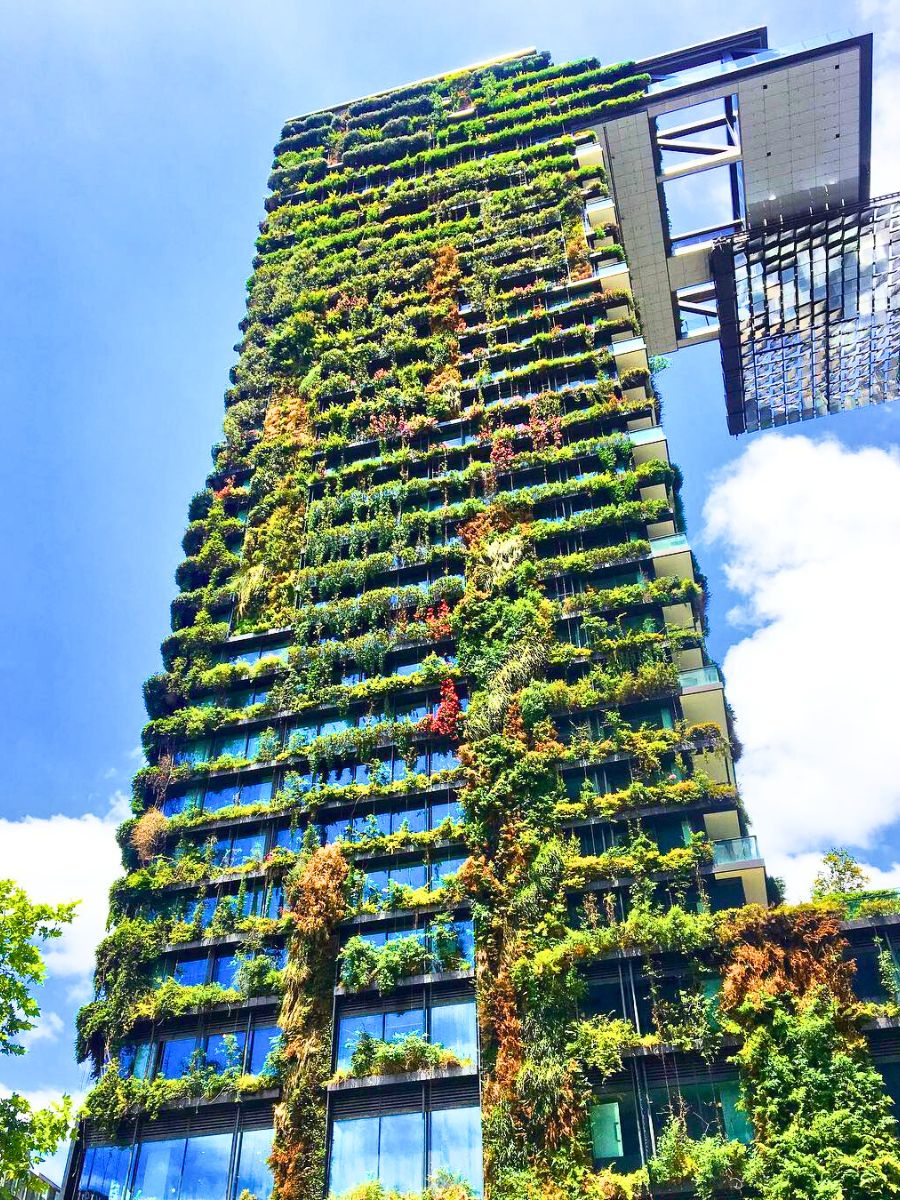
<point x="438" y="875"/>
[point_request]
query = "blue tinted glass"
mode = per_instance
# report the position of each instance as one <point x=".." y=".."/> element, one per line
<point x="349" y="1030"/>
<point x="412" y="875"/>
<point x="275" y="901"/>
<point x="377" y="824"/>
<point x="225" y="969"/>
<point x="175" y="1057"/>
<point x="400" y="1024"/>
<point x="105" y="1171"/>
<point x="252" y="750"/>
<point x="234" y="745"/>
<point x="466" y="936"/>
<point x="191" y="753"/>
<point x="336" y="830"/>
<point x="412" y="818"/>
<point x="265" y="1039"/>
<point x="257" y="793"/>
<point x="126" y="1060"/>
<point x="217" y="798"/>
<point x="401" y="1152"/>
<point x="335" y="725"/>
<point x="361" y="773"/>
<point x="221" y="853"/>
<point x="456" y="1144"/>
<point x="225" y="1051"/>
<point x="173" y="805"/>
<point x="444" y="867"/>
<point x="253" y="1174"/>
<point x="375" y="937"/>
<point x="206" y="1167"/>
<point x="454" y="1026"/>
<point x="443" y="760"/>
<point x="408" y="668"/>
<point x="340" y="776"/>
<point x="208" y="904"/>
<point x="376" y="883"/>
<point x="190" y="971"/>
<point x="289" y="839"/>
<point x="354" y="1154"/>
<point x="247" y="847"/>
<point x="442" y="809"/>
<point x="157" y="1175"/>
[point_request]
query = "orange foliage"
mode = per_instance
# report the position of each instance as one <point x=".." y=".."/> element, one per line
<point x="316" y="899"/>
<point x="147" y="835"/>
<point x="287" y="416"/>
<point x="787" y="951"/>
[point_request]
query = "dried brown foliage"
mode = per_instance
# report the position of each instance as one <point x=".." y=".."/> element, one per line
<point x="785" y="951"/>
<point x="148" y="833"/>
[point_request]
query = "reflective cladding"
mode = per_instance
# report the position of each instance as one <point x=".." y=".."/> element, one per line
<point x="808" y="316"/>
<point x="212" y="1166"/>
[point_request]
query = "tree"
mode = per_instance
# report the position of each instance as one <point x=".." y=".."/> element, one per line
<point x="26" y="1135"/>
<point x="840" y="874"/>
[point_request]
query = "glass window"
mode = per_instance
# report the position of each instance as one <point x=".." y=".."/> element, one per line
<point x="354" y="1154"/>
<point x="190" y="971"/>
<point x="225" y="969"/>
<point x="247" y="847"/>
<point x="442" y="809"/>
<point x="466" y="937"/>
<point x="444" y="867"/>
<point x="401" y="1152"/>
<point x="173" y="805"/>
<point x="175" y="1057"/>
<point x="253" y="1174"/>
<point x="456" y="1144"/>
<point x="411" y="875"/>
<point x="414" y="819"/>
<point x="291" y="839"/>
<point x="398" y="1025"/>
<point x="217" y="798"/>
<point x="455" y="1026"/>
<point x="208" y="904"/>
<point x="225" y="1051"/>
<point x="257" y="793"/>
<point x="234" y="745"/>
<point x="443" y="760"/>
<point x="157" y="1175"/>
<point x="105" y="1172"/>
<point x="349" y="1030"/>
<point x="265" y="1040"/>
<point x="206" y="1167"/>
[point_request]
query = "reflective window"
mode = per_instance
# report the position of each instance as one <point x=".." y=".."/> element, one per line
<point x="225" y="1051"/>
<point x="265" y="1040"/>
<point x="225" y="970"/>
<point x="157" y="1175"/>
<point x="104" y="1173"/>
<point x="455" y="1026"/>
<point x="175" y="1057"/>
<point x="253" y="1174"/>
<point x="206" y="1167"/>
<point x="190" y="971"/>
<point x="456" y="1144"/>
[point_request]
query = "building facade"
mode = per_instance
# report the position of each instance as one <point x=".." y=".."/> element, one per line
<point x="438" y="876"/>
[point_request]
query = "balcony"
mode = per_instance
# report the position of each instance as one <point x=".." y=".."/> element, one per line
<point x="734" y="851"/>
<point x="700" y="677"/>
<point x="600" y="213"/>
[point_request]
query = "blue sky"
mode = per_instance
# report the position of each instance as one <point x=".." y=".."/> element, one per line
<point x="137" y="143"/>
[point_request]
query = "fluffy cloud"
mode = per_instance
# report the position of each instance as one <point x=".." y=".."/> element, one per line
<point x="48" y="1029"/>
<point x="810" y="533"/>
<point x="63" y="858"/>
<point x="883" y="18"/>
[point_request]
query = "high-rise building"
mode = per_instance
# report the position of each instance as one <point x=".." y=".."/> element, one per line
<point x="438" y="875"/>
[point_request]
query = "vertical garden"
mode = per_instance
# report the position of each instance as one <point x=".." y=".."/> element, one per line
<point x="438" y="879"/>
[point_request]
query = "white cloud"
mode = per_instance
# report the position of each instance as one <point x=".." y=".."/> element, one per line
<point x="883" y="18"/>
<point x="48" y="1029"/>
<point x="62" y="858"/>
<point x="810" y="534"/>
